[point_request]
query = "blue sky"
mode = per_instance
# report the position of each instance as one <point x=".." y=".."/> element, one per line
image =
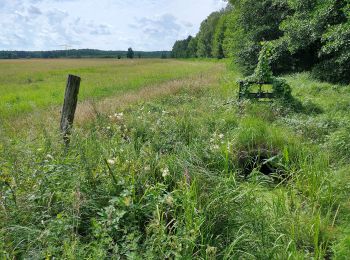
<point x="100" y="24"/>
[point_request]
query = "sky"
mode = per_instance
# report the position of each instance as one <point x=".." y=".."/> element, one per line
<point x="100" y="24"/>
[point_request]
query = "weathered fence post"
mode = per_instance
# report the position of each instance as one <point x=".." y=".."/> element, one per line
<point x="69" y="106"/>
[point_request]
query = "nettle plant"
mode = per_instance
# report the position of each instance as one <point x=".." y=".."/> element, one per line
<point x="263" y="76"/>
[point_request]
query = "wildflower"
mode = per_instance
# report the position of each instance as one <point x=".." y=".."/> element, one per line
<point x="169" y="200"/>
<point x="127" y="201"/>
<point x="221" y="136"/>
<point x="211" y="250"/>
<point x="147" y="168"/>
<point x="108" y="128"/>
<point x="215" y="147"/>
<point x="165" y="172"/>
<point x="49" y="156"/>
<point x="111" y="161"/>
<point x="119" y="116"/>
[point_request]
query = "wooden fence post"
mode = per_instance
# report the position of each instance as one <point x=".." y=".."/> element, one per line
<point x="69" y="106"/>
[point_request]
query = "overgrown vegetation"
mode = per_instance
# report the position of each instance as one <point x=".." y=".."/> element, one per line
<point x="263" y="75"/>
<point x="194" y="175"/>
<point x="310" y="35"/>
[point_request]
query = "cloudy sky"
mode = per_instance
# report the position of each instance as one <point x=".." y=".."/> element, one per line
<point x="100" y="24"/>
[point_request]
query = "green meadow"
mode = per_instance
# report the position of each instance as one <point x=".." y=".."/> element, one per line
<point x="170" y="165"/>
<point x="26" y="85"/>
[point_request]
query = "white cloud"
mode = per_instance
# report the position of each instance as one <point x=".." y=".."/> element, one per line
<point x="106" y="24"/>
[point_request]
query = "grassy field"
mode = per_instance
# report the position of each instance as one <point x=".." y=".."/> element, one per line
<point x="174" y="167"/>
<point x="26" y="85"/>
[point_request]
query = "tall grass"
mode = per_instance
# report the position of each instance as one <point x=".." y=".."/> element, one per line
<point x="194" y="175"/>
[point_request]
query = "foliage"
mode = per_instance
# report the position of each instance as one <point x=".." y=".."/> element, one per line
<point x="130" y="54"/>
<point x="250" y="23"/>
<point x="183" y="49"/>
<point x="206" y="35"/>
<point x="192" y="47"/>
<point x="335" y="52"/>
<point x="263" y="75"/>
<point x="218" y="38"/>
<point x="305" y="35"/>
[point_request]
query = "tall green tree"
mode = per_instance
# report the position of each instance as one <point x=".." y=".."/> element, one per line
<point x="206" y="34"/>
<point x="250" y="23"/>
<point x="130" y="54"/>
<point x="192" y="48"/>
<point x="318" y="35"/>
<point x="180" y="48"/>
<point x="303" y="35"/>
<point x="218" y="38"/>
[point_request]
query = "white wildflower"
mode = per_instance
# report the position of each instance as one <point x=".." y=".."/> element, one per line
<point x="215" y="147"/>
<point x="119" y="116"/>
<point x="49" y="156"/>
<point x="221" y="136"/>
<point x="169" y="200"/>
<point x="111" y="161"/>
<point x="165" y="172"/>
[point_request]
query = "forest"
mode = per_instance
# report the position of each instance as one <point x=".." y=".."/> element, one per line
<point x="304" y="35"/>
<point x="81" y="53"/>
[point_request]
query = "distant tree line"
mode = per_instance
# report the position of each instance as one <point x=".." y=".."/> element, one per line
<point x="81" y="53"/>
<point x="304" y="34"/>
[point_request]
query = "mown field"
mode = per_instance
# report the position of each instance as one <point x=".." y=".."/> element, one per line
<point x="165" y="163"/>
